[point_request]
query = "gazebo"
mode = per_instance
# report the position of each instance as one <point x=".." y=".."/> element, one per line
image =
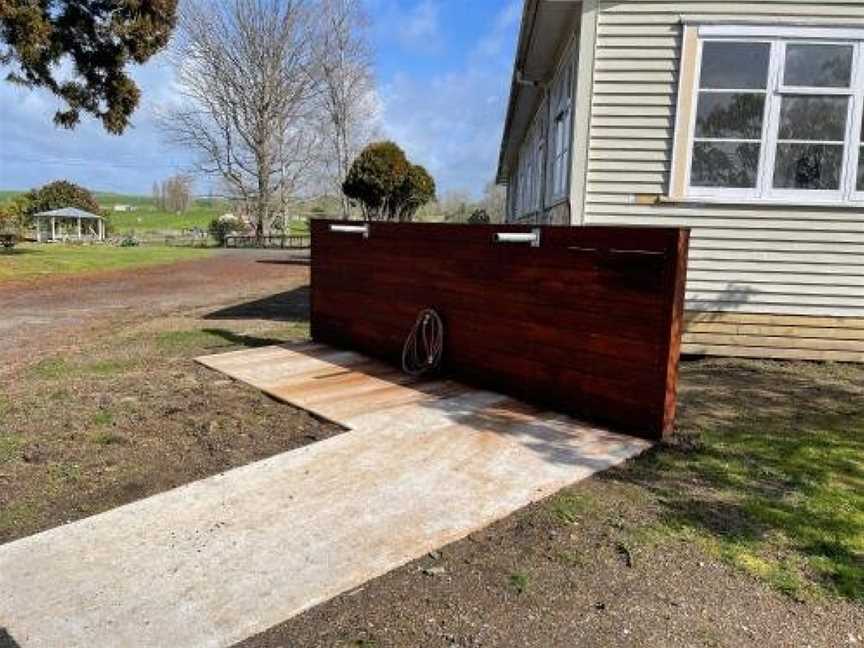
<point x="68" y="223"/>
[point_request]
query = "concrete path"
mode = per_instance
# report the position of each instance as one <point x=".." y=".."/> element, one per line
<point x="216" y="561"/>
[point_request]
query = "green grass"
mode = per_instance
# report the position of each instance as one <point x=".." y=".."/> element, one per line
<point x="149" y="221"/>
<point x="107" y="438"/>
<point x="50" y="369"/>
<point x="568" y="508"/>
<point x="148" y="218"/>
<point x="31" y="261"/>
<point x="771" y="477"/>
<point x="10" y="447"/>
<point x="207" y="339"/>
<point x="103" y="417"/>
<point x="176" y="341"/>
<point x="53" y="369"/>
<point x="519" y="582"/>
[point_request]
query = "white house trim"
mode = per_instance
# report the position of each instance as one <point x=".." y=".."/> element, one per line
<point x="582" y="125"/>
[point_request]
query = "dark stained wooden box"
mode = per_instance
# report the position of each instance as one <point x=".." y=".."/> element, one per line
<point x="588" y="323"/>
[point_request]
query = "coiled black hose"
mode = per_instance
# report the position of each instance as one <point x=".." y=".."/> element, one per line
<point x="424" y="346"/>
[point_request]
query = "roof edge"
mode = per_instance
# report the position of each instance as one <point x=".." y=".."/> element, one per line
<point x="525" y="33"/>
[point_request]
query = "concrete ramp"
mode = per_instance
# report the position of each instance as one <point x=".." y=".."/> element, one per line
<point x="221" y="559"/>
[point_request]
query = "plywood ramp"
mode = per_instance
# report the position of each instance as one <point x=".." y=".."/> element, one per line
<point x="219" y="560"/>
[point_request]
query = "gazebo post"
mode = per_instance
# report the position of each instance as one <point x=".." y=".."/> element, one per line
<point x="38" y="229"/>
<point x="79" y="228"/>
<point x="101" y="230"/>
<point x="53" y="230"/>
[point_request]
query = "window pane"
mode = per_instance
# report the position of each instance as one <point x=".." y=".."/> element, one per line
<point x="814" y="118"/>
<point x="730" y="116"/>
<point x="725" y="164"/>
<point x="808" y="166"/>
<point x="861" y="169"/>
<point x="735" y="66"/>
<point x="818" y="66"/>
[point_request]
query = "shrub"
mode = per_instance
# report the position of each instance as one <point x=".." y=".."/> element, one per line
<point x="417" y="189"/>
<point x="7" y="241"/>
<point x="375" y="176"/>
<point x="479" y="217"/>
<point x="223" y="226"/>
<point x="386" y="185"/>
<point x="58" y="195"/>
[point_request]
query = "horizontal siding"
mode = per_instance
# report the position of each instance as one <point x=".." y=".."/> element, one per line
<point x="745" y="261"/>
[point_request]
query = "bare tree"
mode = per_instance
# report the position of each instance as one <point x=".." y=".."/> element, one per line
<point x="177" y="193"/>
<point x="157" y="195"/>
<point x="248" y="75"/>
<point x="347" y="99"/>
<point x="494" y="202"/>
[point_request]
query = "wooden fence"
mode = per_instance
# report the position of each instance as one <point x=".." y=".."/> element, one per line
<point x="281" y="242"/>
<point x="588" y="322"/>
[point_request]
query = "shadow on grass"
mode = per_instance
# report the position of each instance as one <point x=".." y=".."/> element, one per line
<point x="289" y="306"/>
<point x="17" y="252"/>
<point x="237" y="339"/>
<point x="768" y="464"/>
<point x="296" y="261"/>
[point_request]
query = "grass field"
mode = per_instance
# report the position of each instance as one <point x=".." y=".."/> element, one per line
<point x="30" y="261"/>
<point x="148" y="220"/>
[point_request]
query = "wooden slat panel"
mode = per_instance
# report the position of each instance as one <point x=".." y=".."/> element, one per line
<point x="589" y="322"/>
<point x="755" y="335"/>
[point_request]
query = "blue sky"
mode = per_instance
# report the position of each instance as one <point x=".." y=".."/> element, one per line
<point x="443" y="71"/>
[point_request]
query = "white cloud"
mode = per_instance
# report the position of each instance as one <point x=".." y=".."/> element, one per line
<point x="452" y="123"/>
<point x="416" y="29"/>
<point x="34" y="151"/>
<point x="421" y="28"/>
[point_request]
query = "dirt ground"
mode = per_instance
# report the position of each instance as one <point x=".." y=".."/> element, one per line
<point x="46" y="314"/>
<point x="101" y="404"/>
<point x="113" y="408"/>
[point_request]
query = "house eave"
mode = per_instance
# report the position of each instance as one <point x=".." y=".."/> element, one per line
<point x="534" y="67"/>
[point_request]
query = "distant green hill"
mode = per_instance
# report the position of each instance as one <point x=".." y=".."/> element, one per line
<point x="147" y="219"/>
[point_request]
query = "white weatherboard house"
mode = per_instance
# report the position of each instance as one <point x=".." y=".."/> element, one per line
<point x="741" y="120"/>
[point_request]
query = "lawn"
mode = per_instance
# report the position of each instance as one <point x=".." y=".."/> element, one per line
<point x="29" y="261"/>
<point x="767" y="473"/>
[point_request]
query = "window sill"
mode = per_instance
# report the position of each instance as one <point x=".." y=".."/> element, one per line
<point x="745" y="202"/>
<point x="534" y="212"/>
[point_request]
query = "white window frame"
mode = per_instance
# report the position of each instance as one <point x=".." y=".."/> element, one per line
<point x="530" y="167"/>
<point x="764" y="192"/>
<point x="560" y="131"/>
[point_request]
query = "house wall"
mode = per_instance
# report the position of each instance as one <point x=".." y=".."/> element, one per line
<point x="763" y="281"/>
<point x="531" y="196"/>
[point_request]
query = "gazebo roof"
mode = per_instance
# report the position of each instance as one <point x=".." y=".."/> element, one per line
<point x="69" y="212"/>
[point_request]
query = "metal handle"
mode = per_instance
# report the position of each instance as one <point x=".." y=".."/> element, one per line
<point x="532" y="237"/>
<point x="351" y="229"/>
